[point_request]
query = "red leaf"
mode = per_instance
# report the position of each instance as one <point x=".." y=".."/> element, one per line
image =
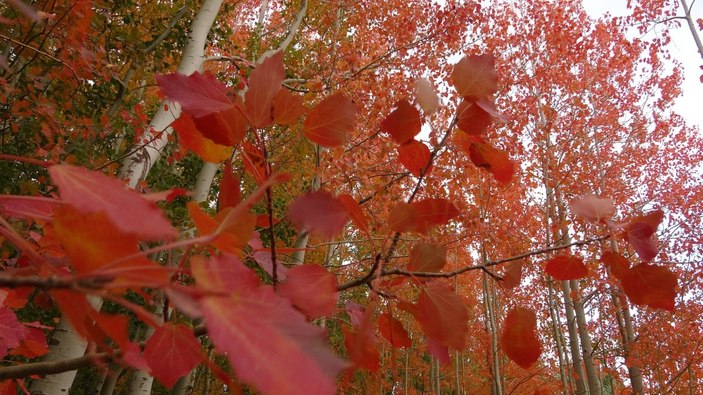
<point x="494" y="160"/>
<point x="403" y="123"/>
<point x="593" y="208"/>
<point x="312" y="289"/>
<point x="519" y="337"/>
<point x="354" y="210"/>
<point x="654" y="286"/>
<point x="512" y="275"/>
<point x="94" y="244"/>
<point x="319" y="212"/>
<point x="438" y="350"/>
<point x="234" y="239"/>
<point x="392" y="330"/>
<point x="198" y="94"/>
<point x="426" y="96"/>
<point x="251" y="322"/>
<point x="190" y="137"/>
<point x="475" y="76"/>
<point x="361" y="343"/>
<point x="226" y="127"/>
<point x="254" y="162"/>
<point x="28" y="207"/>
<point x="415" y="157"/>
<point x="566" y="267"/>
<point x="171" y="352"/>
<point x="618" y="264"/>
<point x="91" y="192"/>
<point x="264" y="83"/>
<point x="287" y="108"/>
<point x="229" y="188"/>
<point x="12" y="332"/>
<point x="262" y="256"/>
<point x="329" y="122"/>
<point x="421" y="216"/>
<point x="639" y="232"/>
<point x="441" y="314"/>
<point x="472" y="118"/>
<point x="33" y="345"/>
<point x="426" y="257"/>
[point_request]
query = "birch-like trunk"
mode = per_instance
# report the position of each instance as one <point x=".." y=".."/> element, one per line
<point x="66" y="343"/>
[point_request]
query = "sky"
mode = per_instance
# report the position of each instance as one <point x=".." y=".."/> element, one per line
<point x="682" y="48"/>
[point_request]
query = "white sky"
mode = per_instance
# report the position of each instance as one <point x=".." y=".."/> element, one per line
<point x="682" y="48"/>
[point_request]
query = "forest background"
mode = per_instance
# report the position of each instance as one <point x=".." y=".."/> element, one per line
<point x="342" y="196"/>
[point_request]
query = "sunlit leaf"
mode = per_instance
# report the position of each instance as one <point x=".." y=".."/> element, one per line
<point x="354" y="210"/>
<point x="287" y="108"/>
<point x="618" y="264"/>
<point x="639" y="233"/>
<point x="473" y="119"/>
<point x="191" y="138"/>
<point x="226" y="127"/>
<point x="421" y="216"/>
<point x="234" y="239"/>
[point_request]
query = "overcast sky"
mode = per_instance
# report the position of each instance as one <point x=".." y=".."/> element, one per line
<point x="682" y="48"/>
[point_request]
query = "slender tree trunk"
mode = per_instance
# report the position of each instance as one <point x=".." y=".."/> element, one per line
<point x="574" y="345"/>
<point x="108" y="385"/>
<point x="556" y="332"/>
<point x="692" y="27"/>
<point x="135" y="167"/>
<point x="488" y="304"/>
<point x="594" y="384"/>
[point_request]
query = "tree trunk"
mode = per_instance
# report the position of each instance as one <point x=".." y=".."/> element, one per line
<point x="594" y="384"/>
<point x="556" y="332"/>
<point x="135" y="167"/>
<point x="488" y="299"/>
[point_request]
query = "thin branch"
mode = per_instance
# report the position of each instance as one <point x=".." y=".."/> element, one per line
<point x="166" y="32"/>
<point x="44" y="368"/>
<point x="39" y="51"/>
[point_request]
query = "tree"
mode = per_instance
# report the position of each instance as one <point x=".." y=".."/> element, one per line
<point x="322" y="143"/>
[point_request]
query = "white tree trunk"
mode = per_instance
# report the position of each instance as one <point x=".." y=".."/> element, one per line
<point x="68" y="344"/>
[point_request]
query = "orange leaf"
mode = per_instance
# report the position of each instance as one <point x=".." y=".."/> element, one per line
<point x="566" y="267"/>
<point x="264" y="84"/>
<point x="519" y="337"/>
<point x="415" y="157"/>
<point x="654" y="286"/>
<point x="494" y="160"/>
<point x="361" y="342"/>
<point x="472" y="118"/>
<point x="312" y="289"/>
<point x="254" y="162"/>
<point x="329" y="122"/>
<point x="319" y="212"/>
<point x="392" y="330"/>
<point x="618" y="264"/>
<point x="426" y="257"/>
<point x="90" y="192"/>
<point x="226" y="127"/>
<point x="475" y="76"/>
<point x="287" y="108"/>
<point x="233" y="239"/>
<point x="354" y="211"/>
<point x="403" y="123"/>
<point x="94" y="244"/>
<point x="191" y="138"/>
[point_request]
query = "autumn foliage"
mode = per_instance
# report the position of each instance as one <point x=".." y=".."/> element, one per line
<point x="365" y="225"/>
